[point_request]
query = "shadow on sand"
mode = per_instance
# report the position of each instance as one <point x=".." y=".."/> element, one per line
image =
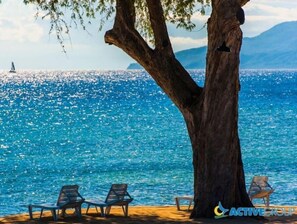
<point x="145" y="215"/>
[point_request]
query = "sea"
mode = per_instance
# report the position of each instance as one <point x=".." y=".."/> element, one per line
<point x="96" y="128"/>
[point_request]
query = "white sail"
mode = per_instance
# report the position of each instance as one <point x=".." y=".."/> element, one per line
<point x="12" y="70"/>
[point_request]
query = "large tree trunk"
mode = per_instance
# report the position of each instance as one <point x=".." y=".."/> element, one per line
<point x="211" y="113"/>
<point x="213" y="124"/>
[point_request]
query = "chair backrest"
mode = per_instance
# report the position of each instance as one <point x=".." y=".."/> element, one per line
<point x="69" y="195"/>
<point x="117" y="192"/>
<point x="259" y="183"/>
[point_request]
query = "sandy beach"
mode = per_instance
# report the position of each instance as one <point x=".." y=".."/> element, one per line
<point x="144" y="214"/>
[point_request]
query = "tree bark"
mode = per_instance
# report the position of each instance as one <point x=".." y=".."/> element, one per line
<point x="218" y="168"/>
<point x="211" y="113"/>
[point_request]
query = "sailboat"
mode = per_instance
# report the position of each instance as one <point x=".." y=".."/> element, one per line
<point x="12" y="70"/>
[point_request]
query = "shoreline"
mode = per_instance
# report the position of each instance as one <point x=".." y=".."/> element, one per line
<point x="146" y="214"/>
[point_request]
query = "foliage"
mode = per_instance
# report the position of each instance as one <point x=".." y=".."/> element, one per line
<point x="178" y="12"/>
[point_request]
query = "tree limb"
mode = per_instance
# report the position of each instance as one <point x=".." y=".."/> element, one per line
<point x="125" y="10"/>
<point x="162" y="65"/>
<point x="125" y="36"/>
<point x="159" y="27"/>
<point x="243" y="2"/>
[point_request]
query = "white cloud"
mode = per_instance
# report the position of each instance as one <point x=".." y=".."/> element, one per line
<point x="17" y="23"/>
<point x="256" y="11"/>
<point x="200" y="19"/>
<point x="262" y="15"/>
<point x="181" y="43"/>
<point x="274" y="3"/>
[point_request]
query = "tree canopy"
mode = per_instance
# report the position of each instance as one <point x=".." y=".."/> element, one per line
<point x="64" y="13"/>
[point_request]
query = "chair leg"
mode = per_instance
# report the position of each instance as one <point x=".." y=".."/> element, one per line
<point x="177" y="203"/>
<point x="78" y="211"/>
<point x="251" y="199"/>
<point x="123" y="208"/>
<point x="126" y="210"/>
<point x="63" y="212"/>
<point x="41" y="212"/>
<point x="107" y="210"/>
<point x="87" y="209"/>
<point x="267" y="201"/>
<point x="54" y="214"/>
<point x="30" y="211"/>
<point x="190" y="205"/>
<point x="101" y="211"/>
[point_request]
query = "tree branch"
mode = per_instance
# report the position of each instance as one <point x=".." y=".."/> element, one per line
<point x="243" y="2"/>
<point x="168" y="73"/>
<point x="125" y="10"/>
<point x="159" y="27"/>
<point x="125" y="36"/>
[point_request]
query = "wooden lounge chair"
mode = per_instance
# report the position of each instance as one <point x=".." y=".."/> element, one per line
<point x="69" y="197"/>
<point x="117" y="196"/>
<point x="260" y="188"/>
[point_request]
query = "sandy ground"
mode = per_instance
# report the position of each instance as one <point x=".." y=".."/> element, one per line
<point x="143" y="215"/>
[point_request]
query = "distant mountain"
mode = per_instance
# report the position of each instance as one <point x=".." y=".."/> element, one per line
<point x="275" y="48"/>
<point x="191" y="59"/>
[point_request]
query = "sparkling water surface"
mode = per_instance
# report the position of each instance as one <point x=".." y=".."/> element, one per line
<point x="95" y="128"/>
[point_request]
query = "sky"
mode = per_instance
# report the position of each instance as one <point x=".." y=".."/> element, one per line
<point x="26" y="40"/>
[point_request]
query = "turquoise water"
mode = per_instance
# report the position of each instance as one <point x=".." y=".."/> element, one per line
<point x="98" y="128"/>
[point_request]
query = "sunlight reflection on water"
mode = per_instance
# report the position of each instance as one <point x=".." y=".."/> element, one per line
<point x="94" y="128"/>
